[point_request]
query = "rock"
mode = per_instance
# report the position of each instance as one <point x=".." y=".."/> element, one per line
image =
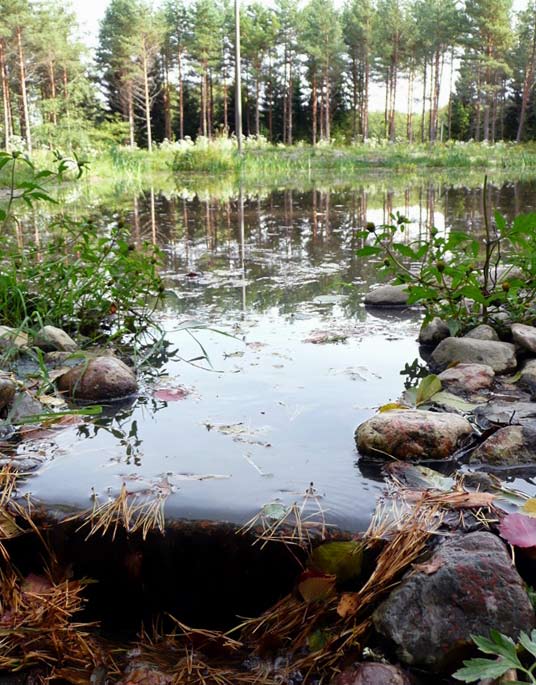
<point x="24" y="404"/>
<point x="468" y="587"/>
<point x="528" y="377"/>
<point x="55" y="358"/>
<point x="467" y="378"/>
<point x="388" y="296"/>
<point x="412" y="434"/>
<point x="499" y="355"/>
<point x="103" y="378"/>
<point x="12" y="338"/>
<point x="372" y="674"/>
<point x="50" y="338"/>
<point x="482" y="332"/>
<point x="8" y="388"/>
<point x="524" y="336"/>
<point x="504" y="414"/>
<point x="509" y="446"/>
<point x="433" y="332"/>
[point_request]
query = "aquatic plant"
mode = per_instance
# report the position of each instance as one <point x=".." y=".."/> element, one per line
<point x="76" y="278"/>
<point x="463" y="279"/>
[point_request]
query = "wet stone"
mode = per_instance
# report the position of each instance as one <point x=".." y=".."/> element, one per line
<point x="372" y="674"/>
<point x="102" y="378"/>
<point x="8" y="388"/>
<point x="50" y="338"/>
<point x="528" y="377"/>
<point x="524" y="336"/>
<point x="467" y="378"/>
<point x="505" y="414"/>
<point x="412" y="434"/>
<point x="24" y="405"/>
<point x="499" y="355"/>
<point x="483" y="332"/>
<point x="11" y="338"/>
<point x="469" y="587"/>
<point x="433" y="332"/>
<point x="387" y="296"/>
<point x="509" y="446"/>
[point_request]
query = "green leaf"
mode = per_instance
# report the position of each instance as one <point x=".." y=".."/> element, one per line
<point x="499" y="644"/>
<point x="528" y="643"/>
<point x="428" y="387"/>
<point x="405" y="250"/>
<point x="368" y="251"/>
<point x="478" y="669"/>
<point x="500" y="221"/>
<point x="472" y="292"/>
<point x="341" y="559"/>
<point x="448" y="399"/>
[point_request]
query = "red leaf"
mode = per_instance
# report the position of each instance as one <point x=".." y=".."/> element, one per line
<point x="171" y="394"/>
<point x="519" y="530"/>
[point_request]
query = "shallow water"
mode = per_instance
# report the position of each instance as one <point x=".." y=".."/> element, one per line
<point x="301" y="364"/>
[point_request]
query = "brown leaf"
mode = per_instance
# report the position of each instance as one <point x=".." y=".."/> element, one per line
<point x="429" y="567"/>
<point x="314" y="587"/>
<point x="348" y="604"/>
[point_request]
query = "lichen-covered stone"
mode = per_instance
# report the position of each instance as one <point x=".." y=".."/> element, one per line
<point x="499" y="355"/>
<point x="370" y="673"/>
<point x="509" y="446"/>
<point x="467" y="378"/>
<point x="468" y="587"/>
<point x="412" y="434"/>
<point x="12" y="338"/>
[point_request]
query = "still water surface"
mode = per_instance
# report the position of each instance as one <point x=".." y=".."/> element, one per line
<point x="302" y="363"/>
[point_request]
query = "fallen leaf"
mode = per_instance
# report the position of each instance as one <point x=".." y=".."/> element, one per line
<point x="519" y="530"/>
<point x="529" y="507"/>
<point x="429" y="567"/>
<point x="171" y="394"/>
<point x="348" y="604"/>
<point x="428" y="387"/>
<point x="451" y="401"/>
<point x="391" y="406"/>
<point x="343" y="560"/>
<point x="315" y="587"/>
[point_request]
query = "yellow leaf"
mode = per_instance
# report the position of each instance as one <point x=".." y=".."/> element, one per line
<point x="530" y="507"/>
<point x="391" y="406"/>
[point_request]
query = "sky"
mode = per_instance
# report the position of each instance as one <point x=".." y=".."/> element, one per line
<point x="91" y="11"/>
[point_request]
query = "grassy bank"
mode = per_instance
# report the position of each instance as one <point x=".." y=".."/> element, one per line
<point x="261" y="159"/>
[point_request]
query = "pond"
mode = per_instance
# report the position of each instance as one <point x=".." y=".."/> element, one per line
<point x="294" y="360"/>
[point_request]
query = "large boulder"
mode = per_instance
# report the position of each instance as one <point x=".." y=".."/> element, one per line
<point x="103" y="378"/>
<point x="50" y="339"/>
<point x="524" y="336"/>
<point x="499" y="355"/>
<point x="11" y="338"/>
<point x="433" y="332"/>
<point x="388" y="296"/>
<point x="412" y="434"/>
<point x="370" y="673"/>
<point x="509" y="446"/>
<point x="483" y="332"/>
<point x="469" y="587"/>
<point x="467" y="378"/>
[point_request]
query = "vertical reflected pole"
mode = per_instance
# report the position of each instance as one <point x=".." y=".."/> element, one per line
<point x="153" y="217"/>
<point x="242" y="244"/>
<point x="238" y="80"/>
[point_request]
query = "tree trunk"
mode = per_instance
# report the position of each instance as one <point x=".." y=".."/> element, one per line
<point x="168" y="133"/>
<point x="147" y="100"/>
<point x="5" y="99"/>
<point x="130" y="108"/>
<point x="23" y="93"/>
<point x="314" y="105"/>
<point x="52" y="81"/>
<point x="328" y="106"/>
<point x="528" y="84"/>
<point x="423" y="113"/>
<point x="409" y="120"/>
<point x="257" y="107"/>
<point x="181" y="95"/>
<point x="290" y="103"/>
<point x="450" y="94"/>
<point x="354" y="95"/>
<point x="225" y="109"/>
<point x="365" y="113"/>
